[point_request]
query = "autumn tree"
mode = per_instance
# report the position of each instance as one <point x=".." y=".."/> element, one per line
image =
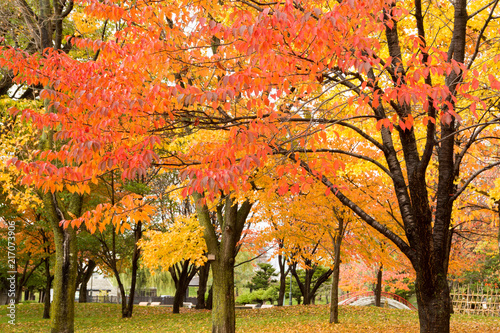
<point x="179" y="249"/>
<point x="222" y="231"/>
<point x="174" y="240"/>
<point x="323" y="84"/>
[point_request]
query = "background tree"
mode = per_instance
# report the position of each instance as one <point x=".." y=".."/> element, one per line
<point x="263" y="277"/>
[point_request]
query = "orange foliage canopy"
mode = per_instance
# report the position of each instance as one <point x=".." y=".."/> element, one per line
<point x="266" y="74"/>
<point x="217" y="87"/>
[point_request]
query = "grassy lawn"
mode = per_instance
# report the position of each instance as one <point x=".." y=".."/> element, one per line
<point x="303" y="319"/>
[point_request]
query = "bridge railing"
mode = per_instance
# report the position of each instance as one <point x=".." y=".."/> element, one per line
<point x="352" y="297"/>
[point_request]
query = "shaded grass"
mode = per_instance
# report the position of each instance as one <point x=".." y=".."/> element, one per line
<point x="303" y="319"/>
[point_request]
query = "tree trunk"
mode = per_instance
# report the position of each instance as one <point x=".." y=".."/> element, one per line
<point x="63" y="304"/>
<point x="46" y="298"/>
<point x="283" y="274"/>
<point x="378" y="287"/>
<point x="85" y="280"/>
<point x="180" y="293"/>
<point x="334" y="294"/>
<point x="210" y="299"/>
<point x="282" y="290"/>
<point x="306" y="291"/>
<point x="433" y="304"/>
<point x="123" y="299"/>
<point x="48" y="285"/>
<point x="223" y="312"/>
<point x="135" y="266"/>
<point x="83" y="292"/>
<point x="182" y="274"/>
<point x="231" y="218"/>
<point x="202" y="287"/>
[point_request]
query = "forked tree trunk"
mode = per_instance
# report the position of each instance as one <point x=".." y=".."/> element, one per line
<point x="182" y="274"/>
<point x="308" y="292"/>
<point x="85" y="280"/>
<point x="231" y="218"/>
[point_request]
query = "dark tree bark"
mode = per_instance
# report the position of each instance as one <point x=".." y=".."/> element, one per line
<point x="334" y="294"/>
<point x="210" y="299"/>
<point x="111" y="260"/>
<point x="135" y="266"/>
<point x="182" y="274"/>
<point x="24" y="277"/>
<point x="378" y="287"/>
<point x="427" y="225"/>
<point x="48" y="286"/>
<point x="203" y="273"/>
<point x="86" y="275"/>
<point x="308" y="290"/>
<point x="283" y="274"/>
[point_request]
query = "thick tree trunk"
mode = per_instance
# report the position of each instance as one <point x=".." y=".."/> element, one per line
<point x="433" y="304"/>
<point x="202" y="287"/>
<point x="223" y="312"/>
<point x="83" y="292"/>
<point x="378" y="287"/>
<point x="231" y="219"/>
<point x="306" y="291"/>
<point x="180" y="292"/>
<point x="62" y="309"/>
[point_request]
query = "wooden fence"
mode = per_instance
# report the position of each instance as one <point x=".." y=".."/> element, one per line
<point x="466" y="301"/>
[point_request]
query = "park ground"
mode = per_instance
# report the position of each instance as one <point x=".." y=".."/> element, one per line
<point x="303" y="319"/>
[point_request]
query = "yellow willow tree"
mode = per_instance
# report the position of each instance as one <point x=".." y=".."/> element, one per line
<point x="409" y="80"/>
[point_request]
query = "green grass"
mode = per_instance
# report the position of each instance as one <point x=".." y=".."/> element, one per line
<point x="308" y="319"/>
